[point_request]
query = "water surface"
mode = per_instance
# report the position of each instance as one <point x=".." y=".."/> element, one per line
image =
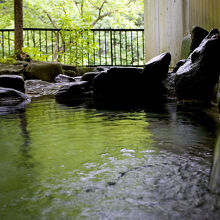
<point x="59" y="162"/>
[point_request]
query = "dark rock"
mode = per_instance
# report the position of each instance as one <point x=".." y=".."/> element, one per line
<point x="89" y="77"/>
<point x="73" y="92"/>
<point x="196" y="78"/>
<point x="12" y="81"/>
<point x="198" y="34"/>
<point x="12" y="97"/>
<point x="170" y="85"/>
<point x="178" y="65"/>
<point x="154" y="75"/>
<point x="43" y="71"/>
<point x="63" y="78"/>
<point x="118" y="83"/>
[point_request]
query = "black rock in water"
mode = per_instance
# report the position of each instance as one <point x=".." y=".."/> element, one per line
<point x="118" y="83"/>
<point x="12" y="81"/>
<point x="89" y="77"/>
<point x="154" y="75"/>
<point x="196" y="78"/>
<point x="73" y="92"/>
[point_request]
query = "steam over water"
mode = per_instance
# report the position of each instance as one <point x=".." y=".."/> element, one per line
<point x="59" y="162"/>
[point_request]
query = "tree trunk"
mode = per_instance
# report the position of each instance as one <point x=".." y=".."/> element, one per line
<point x="18" y="22"/>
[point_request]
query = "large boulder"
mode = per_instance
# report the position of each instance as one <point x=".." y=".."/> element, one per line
<point x="43" y="71"/>
<point x="12" y="81"/>
<point x="154" y="75"/>
<point x="118" y="83"/>
<point x="12" y="97"/>
<point x="196" y="78"/>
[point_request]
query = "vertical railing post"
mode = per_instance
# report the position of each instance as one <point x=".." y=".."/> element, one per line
<point x="111" y="47"/>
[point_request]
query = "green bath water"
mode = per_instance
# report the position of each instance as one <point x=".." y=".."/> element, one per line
<point x="60" y="162"/>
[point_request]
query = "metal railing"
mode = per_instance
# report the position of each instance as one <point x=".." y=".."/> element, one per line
<point x="109" y="47"/>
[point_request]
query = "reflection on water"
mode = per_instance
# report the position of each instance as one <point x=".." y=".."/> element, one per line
<point x="59" y="162"/>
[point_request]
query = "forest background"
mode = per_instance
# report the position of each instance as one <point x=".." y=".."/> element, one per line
<point x="93" y="13"/>
<point x="78" y="17"/>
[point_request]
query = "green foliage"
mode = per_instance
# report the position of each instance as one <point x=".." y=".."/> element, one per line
<point x="8" y="60"/>
<point x="79" y="17"/>
<point x="35" y="54"/>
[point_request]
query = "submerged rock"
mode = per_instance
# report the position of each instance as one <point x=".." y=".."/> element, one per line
<point x="12" y="81"/>
<point x="196" y="78"/>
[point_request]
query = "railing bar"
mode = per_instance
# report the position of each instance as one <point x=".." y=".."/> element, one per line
<point x="76" y="48"/>
<point x="105" y="50"/>
<point x="34" y="39"/>
<point x="70" y="56"/>
<point x="137" y="48"/>
<point x="40" y="40"/>
<point x="9" y="45"/>
<point x="82" y="51"/>
<point x="27" y="38"/>
<point x="126" y="48"/>
<point x="3" y="45"/>
<point x="143" y="45"/>
<point x="52" y="46"/>
<point x="88" y="46"/>
<point x="115" y="55"/>
<point x="100" y="57"/>
<point x="132" y="52"/>
<point x="94" y="48"/>
<point x="120" y="48"/>
<point x="46" y="43"/>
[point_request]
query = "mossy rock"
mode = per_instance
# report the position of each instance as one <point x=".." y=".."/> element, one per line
<point x="43" y="71"/>
<point x="185" y="48"/>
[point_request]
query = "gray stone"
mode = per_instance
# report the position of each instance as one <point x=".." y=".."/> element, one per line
<point x="64" y="78"/>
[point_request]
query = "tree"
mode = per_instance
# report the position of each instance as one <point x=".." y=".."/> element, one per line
<point x="18" y="23"/>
